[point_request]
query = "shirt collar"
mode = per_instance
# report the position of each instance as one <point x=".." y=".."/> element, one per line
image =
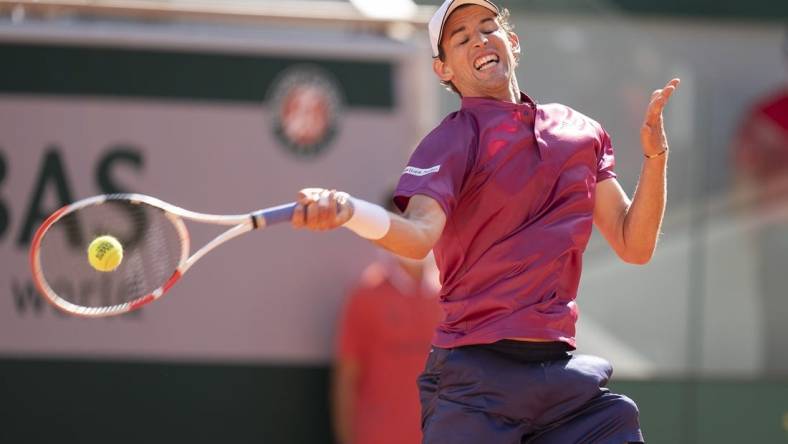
<point x="474" y="102"/>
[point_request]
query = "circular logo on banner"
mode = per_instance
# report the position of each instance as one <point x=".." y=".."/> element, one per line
<point x="306" y="103"/>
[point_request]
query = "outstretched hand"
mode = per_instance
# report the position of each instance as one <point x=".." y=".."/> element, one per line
<point x="652" y="133"/>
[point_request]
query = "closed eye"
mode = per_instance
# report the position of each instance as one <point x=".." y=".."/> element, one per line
<point x="491" y="24"/>
<point x="489" y="31"/>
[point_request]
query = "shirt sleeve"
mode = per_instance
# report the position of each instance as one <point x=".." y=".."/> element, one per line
<point x="440" y="163"/>
<point x="606" y="159"/>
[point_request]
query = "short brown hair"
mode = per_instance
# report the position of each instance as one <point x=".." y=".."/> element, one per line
<point x="503" y="21"/>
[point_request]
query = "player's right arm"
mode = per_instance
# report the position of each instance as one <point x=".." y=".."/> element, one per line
<point x="432" y="183"/>
<point x="412" y="234"/>
<point x="418" y="229"/>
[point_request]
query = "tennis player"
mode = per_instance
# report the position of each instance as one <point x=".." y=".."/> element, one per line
<point x="505" y="192"/>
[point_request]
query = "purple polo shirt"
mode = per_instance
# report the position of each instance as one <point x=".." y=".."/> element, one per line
<point x="516" y="182"/>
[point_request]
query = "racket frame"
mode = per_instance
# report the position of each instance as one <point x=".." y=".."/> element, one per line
<point x="239" y="223"/>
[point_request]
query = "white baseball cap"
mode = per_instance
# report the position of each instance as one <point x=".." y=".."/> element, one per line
<point x="442" y="14"/>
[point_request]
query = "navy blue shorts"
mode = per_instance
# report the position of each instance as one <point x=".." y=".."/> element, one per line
<point x="515" y="392"/>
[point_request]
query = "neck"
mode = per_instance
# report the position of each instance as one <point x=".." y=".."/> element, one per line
<point x="511" y="94"/>
<point x="514" y="91"/>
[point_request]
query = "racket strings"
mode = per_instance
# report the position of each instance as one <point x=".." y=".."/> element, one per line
<point x="151" y="253"/>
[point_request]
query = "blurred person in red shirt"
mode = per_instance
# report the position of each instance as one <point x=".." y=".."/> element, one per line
<point x="383" y="339"/>
<point x="761" y="164"/>
<point x="761" y="146"/>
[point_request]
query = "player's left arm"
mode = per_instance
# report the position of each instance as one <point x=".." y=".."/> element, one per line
<point x="632" y="227"/>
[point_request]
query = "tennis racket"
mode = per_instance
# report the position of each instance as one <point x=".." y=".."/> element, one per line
<point x="156" y="250"/>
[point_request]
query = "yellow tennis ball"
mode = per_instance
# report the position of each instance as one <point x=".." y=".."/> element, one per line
<point x="105" y="253"/>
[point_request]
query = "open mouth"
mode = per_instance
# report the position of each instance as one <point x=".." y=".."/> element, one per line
<point x="486" y="62"/>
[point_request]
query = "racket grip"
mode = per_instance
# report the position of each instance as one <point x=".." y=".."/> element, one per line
<point x="277" y="215"/>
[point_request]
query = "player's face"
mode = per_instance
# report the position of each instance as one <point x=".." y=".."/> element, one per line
<point x="479" y="55"/>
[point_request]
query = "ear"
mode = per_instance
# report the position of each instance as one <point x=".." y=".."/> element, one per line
<point x="514" y="40"/>
<point x="442" y="70"/>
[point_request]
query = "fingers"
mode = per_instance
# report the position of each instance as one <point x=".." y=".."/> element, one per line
<point x="298" y="216"/>
<point x="652" y="133"/>
<point x="332" y="203"/>
<point x="318" y="209"/>
<point x="324" y="217"/>
<point x="668" y="90"/>
<point x="305" y="197"/>
<point x="311" y="221"/>
<point x="344" y="207"/>
<point x="299" y="212"/>
<point x="659" y="98"/>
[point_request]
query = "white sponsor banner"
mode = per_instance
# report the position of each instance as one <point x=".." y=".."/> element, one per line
<point x="272" y="295"/>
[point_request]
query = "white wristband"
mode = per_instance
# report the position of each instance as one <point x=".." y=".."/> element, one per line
<point x="369" y="221"/>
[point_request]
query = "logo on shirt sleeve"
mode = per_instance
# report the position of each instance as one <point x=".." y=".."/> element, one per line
<point x="413" y="171"/>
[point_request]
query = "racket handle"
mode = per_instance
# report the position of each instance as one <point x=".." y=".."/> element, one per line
<point x="277" y="215"/>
